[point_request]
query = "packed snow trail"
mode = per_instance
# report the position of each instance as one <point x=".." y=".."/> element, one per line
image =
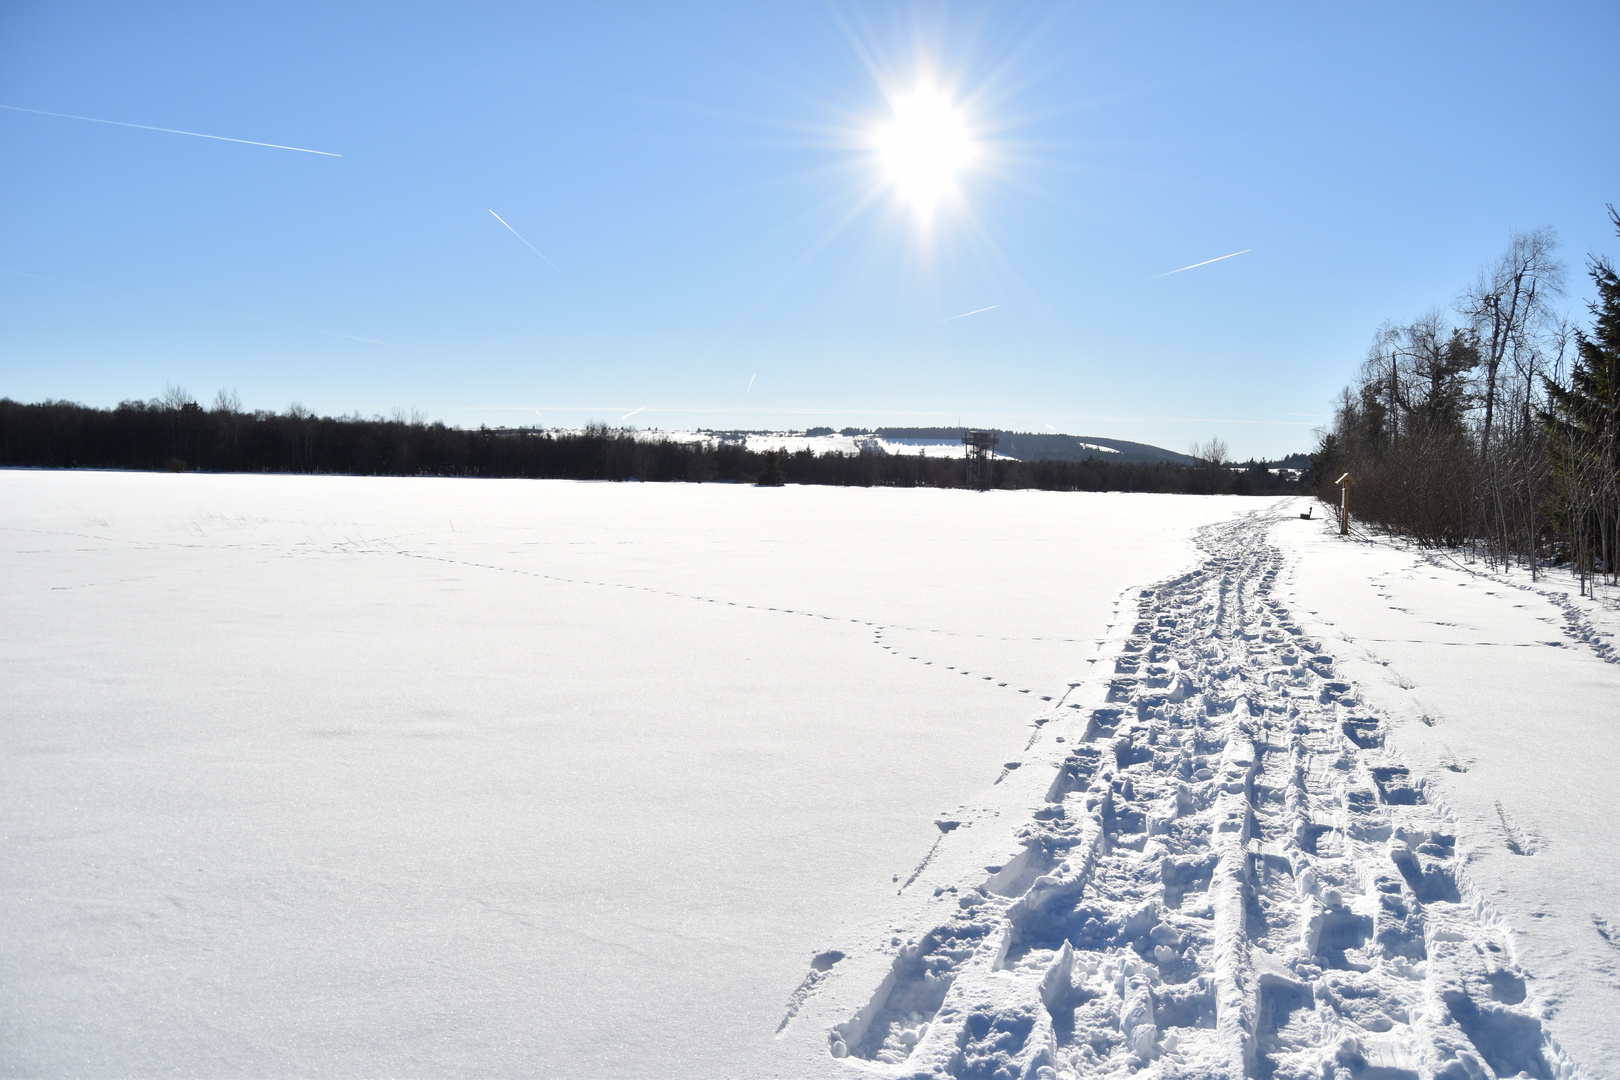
<point x="500" y="824"/>
<point x="1231" y="876"/>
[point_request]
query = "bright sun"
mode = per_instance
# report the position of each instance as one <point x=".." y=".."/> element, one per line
<point x="925" y="146"/>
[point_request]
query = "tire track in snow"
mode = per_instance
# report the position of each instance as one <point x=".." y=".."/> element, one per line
<point x="1231" y="876"/>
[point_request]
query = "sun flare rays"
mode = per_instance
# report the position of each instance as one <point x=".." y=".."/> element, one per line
<point x="924" y="146"/>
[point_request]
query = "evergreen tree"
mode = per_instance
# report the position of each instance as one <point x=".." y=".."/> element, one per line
<point x="1583" y="427"/>
<point x="772" y="475"/>
<point x="1588" y="409"/>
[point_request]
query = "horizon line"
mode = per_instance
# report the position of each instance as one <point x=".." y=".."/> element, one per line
<point x="1042" y="417"/>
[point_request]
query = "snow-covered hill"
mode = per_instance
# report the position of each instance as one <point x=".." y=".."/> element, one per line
<point x="932" y="442"/>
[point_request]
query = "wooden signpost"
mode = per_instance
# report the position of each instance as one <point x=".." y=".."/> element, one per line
<point x="1344" y="483"/>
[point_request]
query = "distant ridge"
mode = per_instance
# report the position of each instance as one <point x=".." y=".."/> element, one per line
<point x="1028" y="446"/>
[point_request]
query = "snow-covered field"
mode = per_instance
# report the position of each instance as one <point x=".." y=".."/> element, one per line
<point x="415" y="777"/>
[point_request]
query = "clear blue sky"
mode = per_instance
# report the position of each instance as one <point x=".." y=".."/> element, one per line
<point x="703" y="182"/>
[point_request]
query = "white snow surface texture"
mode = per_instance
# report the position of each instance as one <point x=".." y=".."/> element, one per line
<point x="326" y="775"/>
<point x="426" y="777"/>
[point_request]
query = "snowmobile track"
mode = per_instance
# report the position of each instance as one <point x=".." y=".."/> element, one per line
<point x="1232" y="876"/>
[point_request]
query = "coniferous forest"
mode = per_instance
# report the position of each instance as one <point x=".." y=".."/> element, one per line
<point x="176" y="433"/>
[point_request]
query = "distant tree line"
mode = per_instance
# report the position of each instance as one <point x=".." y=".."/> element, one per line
<point x="175" y="432"/>
<point x="1498" y="430"/>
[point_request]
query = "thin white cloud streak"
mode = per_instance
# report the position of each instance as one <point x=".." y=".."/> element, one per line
<point x="877" y="412"/>
<point x="965" y="314"/>
<point x="334" y="333"/>
<point x="633" y="412"/>
<point x="751" y="379"/>
<point x="1206" y="262"/>
<point x="170" y="131"/>
<point x="52" y="280"/>
<point x="530" y="246"/>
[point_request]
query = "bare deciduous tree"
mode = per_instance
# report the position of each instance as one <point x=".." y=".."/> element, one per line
<point x="1508" y="308"/>
<point x="1211" y="453"/>
<point x="175" y="396"/>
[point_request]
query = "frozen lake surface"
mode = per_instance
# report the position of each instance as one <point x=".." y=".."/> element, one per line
<point x="327" y="775"/>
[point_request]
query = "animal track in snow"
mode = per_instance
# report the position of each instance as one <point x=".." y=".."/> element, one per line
<point x="820" y="964"/>
<point x="1577" y="626"/>
<point x="877" y="637"/>
<point x="1518" y="841"/>
<point x="566" y="580"/>
<point x="1232" y="875"/>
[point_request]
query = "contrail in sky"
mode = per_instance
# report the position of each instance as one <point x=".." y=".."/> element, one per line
<point x="751" y="379"/>
<point x="632" y="412"/>
<point x="1206" y="262"/>
<point x="171" y="131"/>
<point x="54" y="281"/>
<point x="531" y="247"/>
<point x="334" y="333"/>
<point x="965" y="314"/>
